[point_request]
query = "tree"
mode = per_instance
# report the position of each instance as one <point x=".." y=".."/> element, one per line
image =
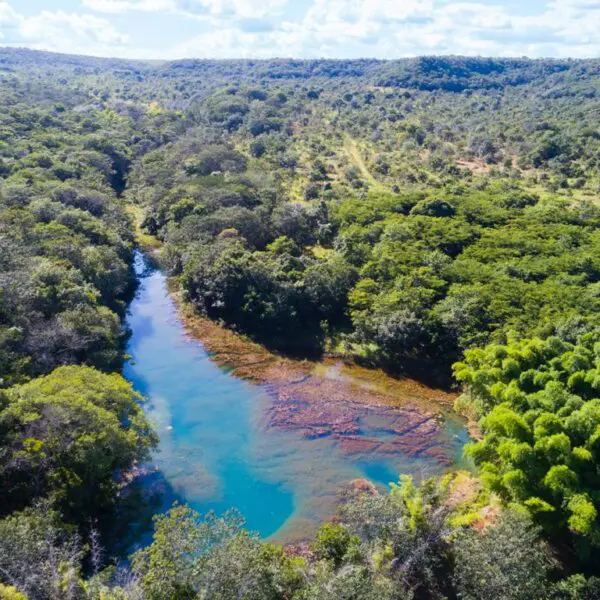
<point x="537" y="400"/>
<point x="506" y="561"/>
<point x="404" y="535"/>
<point x="212" y="557"/>
<point x="65" y="436"/>
<point x="334" y="543"/>
<point x="327" y="285"/>
<point x="39" y="557"/>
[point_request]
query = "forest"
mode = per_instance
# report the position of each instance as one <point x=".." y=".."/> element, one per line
<point x="436" y="217"/>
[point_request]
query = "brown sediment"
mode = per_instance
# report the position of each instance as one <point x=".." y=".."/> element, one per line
<point x="129" y="476"/>
<point x="299" y="550"/>
<point x="361" y="486"/>
<point x="364" y="410"/>
<point x="463" y="489"/>
<point x="474" y="429"/>
<point x="331" y="379"/>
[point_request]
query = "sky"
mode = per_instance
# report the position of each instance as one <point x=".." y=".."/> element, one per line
<point x="171" y="29"/>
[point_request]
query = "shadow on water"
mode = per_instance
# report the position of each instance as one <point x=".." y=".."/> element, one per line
<point x="220" y="445"/>
<point x="432" y="373"/>
<point x="149" y="494"/>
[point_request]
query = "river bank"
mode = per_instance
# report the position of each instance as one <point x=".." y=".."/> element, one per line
<point x="331" y="397"/>
<point x="279" y="439"/>
<point x="298" y="384"/>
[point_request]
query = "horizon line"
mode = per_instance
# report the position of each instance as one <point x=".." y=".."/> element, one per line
<point x="303" y="59"/>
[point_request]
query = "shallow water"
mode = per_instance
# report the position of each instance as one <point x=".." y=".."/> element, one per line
<point x="218" y="448"/>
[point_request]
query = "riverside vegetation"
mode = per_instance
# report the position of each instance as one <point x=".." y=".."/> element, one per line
<point x="436" y="217"/>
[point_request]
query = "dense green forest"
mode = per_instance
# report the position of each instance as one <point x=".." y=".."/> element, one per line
<point x="435" y="216"/>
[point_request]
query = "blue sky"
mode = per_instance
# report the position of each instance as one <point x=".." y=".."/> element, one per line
<point x="304" y="28"/>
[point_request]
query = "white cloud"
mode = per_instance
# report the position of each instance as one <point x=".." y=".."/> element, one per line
<point x="360" y="19"/>
<point x="57" y="27"/>
<point x="121" y="6"/>
<point x="389" y="11"/>
<point x="238" y="9"/>
<point x="393" y="28"/>
<point x="358" y="28"/>
<point x="323" y="28"/>
<point x="8" y="15"/>
<point x="62" y="31"/>
<point x="227" y="43"/>
<point x="473" y="15"/>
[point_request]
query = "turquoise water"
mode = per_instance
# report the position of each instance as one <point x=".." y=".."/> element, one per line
<point x="217" y="449"/>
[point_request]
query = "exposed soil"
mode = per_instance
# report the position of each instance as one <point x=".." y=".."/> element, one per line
<point x="476" y="166"/>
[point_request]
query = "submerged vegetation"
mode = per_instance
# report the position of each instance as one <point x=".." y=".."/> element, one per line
<point x="410" y="215"/>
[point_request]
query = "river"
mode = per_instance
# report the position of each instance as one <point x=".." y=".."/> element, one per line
<point x="221" y="448"/>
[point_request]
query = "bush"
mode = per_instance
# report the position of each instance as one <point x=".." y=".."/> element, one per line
<point x="507" y="561"/>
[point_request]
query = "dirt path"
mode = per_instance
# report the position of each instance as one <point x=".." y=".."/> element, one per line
<point x="353" y="151"/>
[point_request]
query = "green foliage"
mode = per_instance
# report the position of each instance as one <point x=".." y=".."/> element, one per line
<point x="404" y="536"/>
<point x="39" y="557"/>
<point x="412" y="210"/>
<point x="64" y="276"/>
<point x="577" y="587"/>
<point x="540" y="418"/>
<point x="454" y="237"/>
<point x="277" y="296"/>
<point x="505" y="562"/>
<point x="352" y="583"/>
<point x="65" y="435"/>
<point x="10" y="593"/>
<point x="398" y="546"/>
<point x="334" y="543"/>
<point x="211" y="558"/>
